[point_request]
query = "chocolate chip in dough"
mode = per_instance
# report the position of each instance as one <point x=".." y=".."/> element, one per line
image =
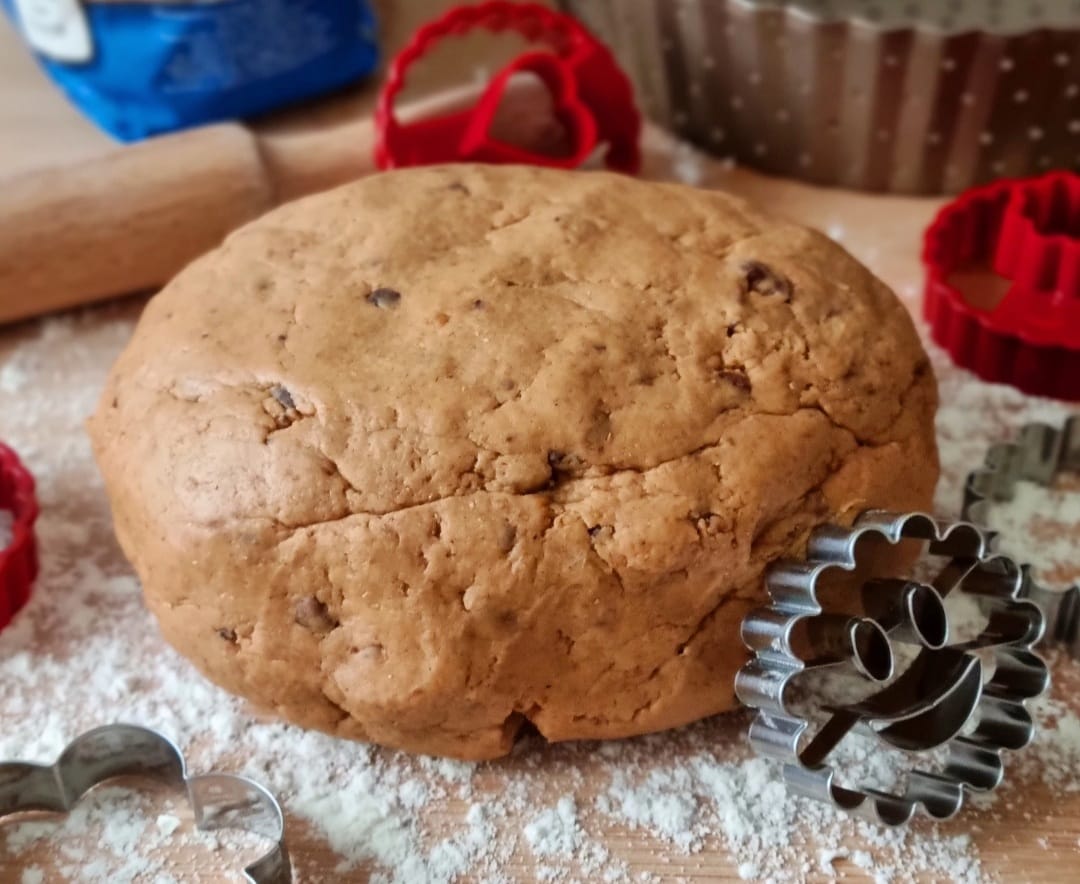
<point x="386" y="299"/>
<point x="283" y="397"/>
<point x="601" y="532"/>
<point x="763" y="280"/>
<point x="507" y="538"/>
<point x="562" y="463"/>
<point x="737" y="379"/>
<point x="313" y="614"/>
<point x="228" y="634"/>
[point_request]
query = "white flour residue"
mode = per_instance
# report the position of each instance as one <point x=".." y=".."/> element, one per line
<point x="1039" y="525"/>
<point x="12" y="377"/>
<point x="974" y="415"/>
<point x="555" y="830"/>
<point x="689" y="165"/>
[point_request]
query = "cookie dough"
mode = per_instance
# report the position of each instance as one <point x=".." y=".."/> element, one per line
<point x="449" y="450"/>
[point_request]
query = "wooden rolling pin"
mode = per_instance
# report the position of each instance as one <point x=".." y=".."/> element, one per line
<point x="129" y="220"/>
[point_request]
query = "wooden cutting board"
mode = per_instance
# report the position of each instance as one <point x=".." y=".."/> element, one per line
<point x="1032" y="835"/>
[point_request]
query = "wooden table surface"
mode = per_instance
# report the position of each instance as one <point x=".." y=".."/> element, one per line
<point x="1031" y="834"/>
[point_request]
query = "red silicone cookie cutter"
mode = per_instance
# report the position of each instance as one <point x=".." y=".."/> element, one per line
<point x="18" y="560"/>
<point x="1027" y="232"/>
<point x="593" y="98"/>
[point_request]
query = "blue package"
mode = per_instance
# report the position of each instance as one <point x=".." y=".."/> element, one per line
<point x="140" y="67"/>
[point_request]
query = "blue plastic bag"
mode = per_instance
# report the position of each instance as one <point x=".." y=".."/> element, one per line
<point x="141" y="67"/>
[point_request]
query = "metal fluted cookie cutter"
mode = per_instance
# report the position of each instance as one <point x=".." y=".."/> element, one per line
<point x="219" y="801"/>
<point x="941" y="700"/>
<point x="1039" y="454"/>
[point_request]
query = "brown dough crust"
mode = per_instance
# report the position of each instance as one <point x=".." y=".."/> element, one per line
<point x="447" y="449"/>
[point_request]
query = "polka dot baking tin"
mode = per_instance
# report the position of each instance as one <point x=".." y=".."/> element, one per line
<point x="18" y="556"/>
<point x="923" y="96"/>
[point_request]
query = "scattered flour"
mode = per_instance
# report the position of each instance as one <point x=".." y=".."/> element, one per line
<point x="1039" y="525"/>
<point x="664" y="804"/>
<point x="86" y="652"/>
<point x="827" y="857"/>
<point x="555" y="830"/>
<point x="12" y="377"/>
<point x="167" y="824"/>
<point x="689" y="165"/>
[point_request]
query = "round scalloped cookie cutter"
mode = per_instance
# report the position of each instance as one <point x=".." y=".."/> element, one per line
<point x="593" y="99"/>
<point x="18" y="559"/>
<point x="1027" y="232"/>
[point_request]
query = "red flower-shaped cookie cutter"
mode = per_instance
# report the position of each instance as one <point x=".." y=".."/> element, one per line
<point x="18" y="560"/>
<point x="593" y="98"/>
<point x="1027" y="232"/>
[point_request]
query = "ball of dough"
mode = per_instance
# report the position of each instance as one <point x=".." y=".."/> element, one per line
<point x="447" y="450"/>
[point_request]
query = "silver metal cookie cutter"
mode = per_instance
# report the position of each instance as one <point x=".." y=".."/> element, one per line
<point x="219" y="801"/>
<point x="1039" y="454"/>
<point x="941" y="700"/>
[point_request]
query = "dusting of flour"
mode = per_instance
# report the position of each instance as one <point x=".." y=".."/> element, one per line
<point x="85" y="652"/>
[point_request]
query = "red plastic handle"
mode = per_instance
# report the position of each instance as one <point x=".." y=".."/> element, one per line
<point x="592" y="96"/>
<point x="18" y="560"/>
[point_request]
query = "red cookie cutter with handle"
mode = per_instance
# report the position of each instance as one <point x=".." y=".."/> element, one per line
<point x="593" y="98"/>
<point x="18" y="560"/>
<point x="1027" y="232"/>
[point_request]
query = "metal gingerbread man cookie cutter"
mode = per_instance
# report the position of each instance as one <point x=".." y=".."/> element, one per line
<point x="1040" y="454"/>
<point x="219" y="801"/>
<point x="941" y="700"/>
